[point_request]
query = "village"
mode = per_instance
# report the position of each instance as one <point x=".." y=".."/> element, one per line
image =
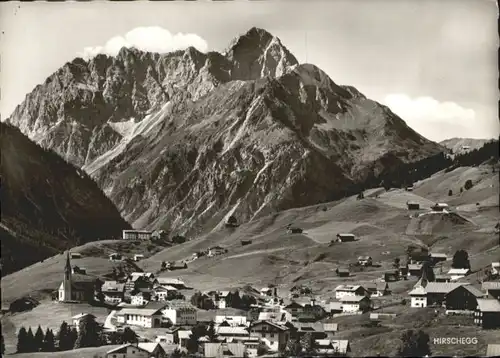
<point x="168" y="316"/>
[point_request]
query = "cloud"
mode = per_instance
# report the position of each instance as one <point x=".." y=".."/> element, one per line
<point x="437" y="120"/>
<point x="152" y="39"/>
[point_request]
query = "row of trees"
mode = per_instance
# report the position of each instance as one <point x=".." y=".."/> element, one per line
<point x="89" y="334"/>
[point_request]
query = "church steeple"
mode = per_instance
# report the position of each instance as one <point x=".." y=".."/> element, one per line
<point x="67" y="268"/>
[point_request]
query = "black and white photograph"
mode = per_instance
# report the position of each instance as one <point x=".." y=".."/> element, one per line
<point x="240" y="179"/>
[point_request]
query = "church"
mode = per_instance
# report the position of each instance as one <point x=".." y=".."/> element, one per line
<point x="75" y="287"/>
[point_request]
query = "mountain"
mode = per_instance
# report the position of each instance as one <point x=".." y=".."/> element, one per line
<point x="47" y="204"/>
<point x="463" y="145"/>
<point x="185" y="139"/>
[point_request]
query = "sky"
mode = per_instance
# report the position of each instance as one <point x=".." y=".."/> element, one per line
<point x="433" y="62"/>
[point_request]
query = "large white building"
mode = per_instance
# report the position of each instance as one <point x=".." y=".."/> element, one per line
<point x="349" y="290"/>
<point x="136" y="235"/>
<point x="418" y="297"/>
<point x="180" y="313"/>
<point x="148" y="318"/>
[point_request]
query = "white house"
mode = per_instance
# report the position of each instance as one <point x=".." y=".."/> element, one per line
<point x="349" y="290"/>
<point x="113" y="291"/>
<point x="142" y="297"/>
<point x="456" y="274"/>
<point x="495" y="268"/>
<point x="162" y="293"/>
<point x="143" y="317"/>
<point x="355" y="304"/>
<point x="332" y="346"/>
<point x="441" y="207"/>
<point x="138" y="257"/>
<point x="418" y="297"/>
<point x="231" y="320"/>
<point x="136" y="235"/>
<point x="180" y="313"/>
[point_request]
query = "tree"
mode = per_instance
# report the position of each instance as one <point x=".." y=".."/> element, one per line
<point x="39" y="338"/>
<point x="176" y="353"/>
<point x="396" y="263"/>
<point x="129" y="336"/>
<point x="450" y="192"/>
<point x="414" y="344"/>
<point x="211" y="333"/>
<point x="22" y="339"/>
<point x="73" y="336"/>
<point x="307" y="343"/>
<point x="63" y="337"/>
<point x="468" y="184"/>
<point x="461" y="260"/>
<point x="163" y="265"/>
<point x="461" y="190"/>
<point x="49" y="341"/>
<point x="89" y="334"/>
<point x="30" y="341"/>
<point x="293" y="348"/>
<point x="262" y="349"/>
<point x="247" y="301"/>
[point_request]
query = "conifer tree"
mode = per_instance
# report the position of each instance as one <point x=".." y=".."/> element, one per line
<point x="63" y="337"/>
<point x="89" y="333"/>
<point x="30" y="341"/>
<point x="72" y="337"/>
<point x="38" y="341"/>
<point x="49" y="341"/>
<point x="22" y="339"/>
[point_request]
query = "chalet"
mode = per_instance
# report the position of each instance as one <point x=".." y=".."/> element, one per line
<point x="458" y="273"/>
<point x="180" y="313"/>
<point x="183" y="337"/>
<point x="493" y="350"/>
<point x="137" y="350"/>
<point x="163" y="293"/>
<point x="350" y="290"/>
<point x="463" y="298"/>
<point x="174" y="282"/>
<point x="352" y="304"/>
<point x="334" y="307"/>
<point x="418" y="297"/>
<point x="412" y="205"/>
<point x="231" y="320"/>
<point x="342" y="272"/>
<point x="171" y="336"/>
<point x="174" y="265"/>
<point x="142" y="297"/>
<point x="311" y="312"/>
<point x="377" y="289"/>
<point x="115" y="257"/>
<point x="138" y="257"/>
<point x="219" y="298"/>
<point x="492" y="289"/>
<point x="216" y="250"/>
<point x="415" y="270"/>
<point x="245" y="242"/>
<point x="77" y="319"/>
<point x="495" y="268"/>
<point x="329" y="347"/>
<point x="436" y="257"/>
<point x="231" y="221"/>
<point x="229" y="332"/>
<point x="409" y="188"/>
<point x="275" y="336"/>
<point x="318" y="330"/>
<point x="442" y="278"/>
<point x="136" y="235"/>
<point x="75" y="287"/>
<point x="294" y="230"/>
<point x="365" y="260"/>
<point x="76" y="255"/>
<point x="113" y="291"/>
<point x="80" y="270"/>
<point x="294" y="308"/>
<point x="487" y="313"/>
<point x="403" y="271"/>
<point x="223" y="350"/>
<point x="382" y="316"/>
<point x="275" y="315"/>
<point x="436" y="291"/>
<point x="346" y="237"/>
<point x="269" y="291"/>
<point x="142" y="317"/>
<point x="441" y="207"/>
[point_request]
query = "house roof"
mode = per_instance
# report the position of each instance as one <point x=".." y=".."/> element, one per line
<point x="379" y="286"/>
<point x="140" y="311"/>
<point x="345" y="235"/>
<point x="348" y="288"/>
<point x="438" y="254"/>
<point x="343" y="269"/>
<point x="353" y="298"/>
<point x="149" y="346"/>
<point x="280" y="327"/>
<point x="414" y="266"/>
<point x="294" y="304"/>
<point x="491" y="285"/>
<point x="330" y="327"/>
<point x="418" y="291"/>
<point x="224" y="349"/>
<point x="176" y="304"/>
<point x="169" y="281"/>
<point x="474" y="290"/>
<point x="364" y="258"/>
<point x="493" y="350"/>
<point x="164" y="288"/>
<point x="224" y="330"/>
<point x="488" y="305"/>
<point x="80" y="315"/>
<point x="458" y="271"/>
<point x="145" y="347"/>
<point x="112" y="286"/>
<point x="442" y="287"/>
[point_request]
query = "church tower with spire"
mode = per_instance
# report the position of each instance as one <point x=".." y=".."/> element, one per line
<point x="65" y="288"/>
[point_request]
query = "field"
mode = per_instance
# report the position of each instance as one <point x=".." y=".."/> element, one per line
<point x="383" y="227"/>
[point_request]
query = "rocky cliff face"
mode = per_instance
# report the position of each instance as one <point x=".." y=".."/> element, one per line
<point x="48" y="205"/>
<point x="184" y="139"/>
